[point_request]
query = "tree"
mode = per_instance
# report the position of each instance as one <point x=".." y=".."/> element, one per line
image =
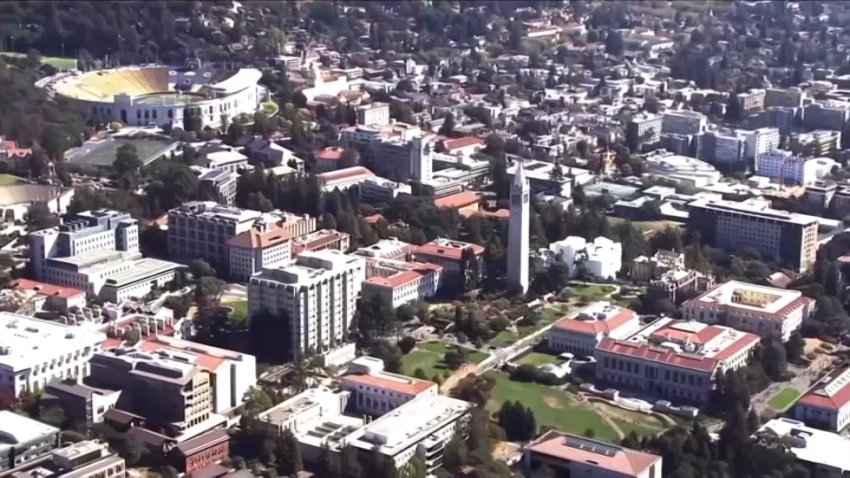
<point x="448" y="126"/>
<point x="406" y="344"/>
<point x="201" y="268"/>
<point x="256" y="400"/>
<point x="614" y="44"/>
<point x="454" y="358"/>
<point x="389" y="353"/>
<point x="288" y="453"/>
<point x="795" y="346"/>
<point x="517" y="421"/>
<point x="774" y="358"/>
<point x="39" y="217"/>
<point x="474" y="388"/>
<point x="127" y="160"/>
<point x="455" y="455"/>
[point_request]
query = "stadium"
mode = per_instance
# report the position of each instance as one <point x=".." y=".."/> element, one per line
<point x="162" y="95"/>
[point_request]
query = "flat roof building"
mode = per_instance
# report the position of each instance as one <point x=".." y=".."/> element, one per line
<point x="34" y="351"/>
<point x="448" y="254"/>
<point x="24" y="440"/>
<point x="580" y="332"/>
<point x="571" y="455"/>
<point x="787" y="238"/>
<point x="816" y="448"/>
<point x="765" y="311"/>
<point x="379" y="392"/>
<point x="827" y="404"/>
<point x="85" y="459"/>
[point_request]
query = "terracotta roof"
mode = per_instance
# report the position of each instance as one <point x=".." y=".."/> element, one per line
<point x="497" y="214"/>
<point x="391" y="381"/>
<point x="374" y="218"/>
<point x="256" y="239"/>
<point x="344" y="174"/>
<point x="204" y="441"/>
<point x="111" y="343"/>
<point x="395" y="280"/>
<point x="46" y="289"/>
<point x="591" y="453"/>
<point x="331" y="153"/>
<point x="574" y="323"/>
<point x="458" y="200"/>
<point x="205" y="361"/>
<point x="451" y="144"/>
<point x="817" y="397"/>
<point x="453" y="250"/>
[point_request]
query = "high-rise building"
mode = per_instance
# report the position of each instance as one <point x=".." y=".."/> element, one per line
<point x="791" y="168"/>
<point x="751" y="100"/>
<point x="830" y="115"/>
<point x="643" y="128"/>
<point x="785" y="237"/>
<point x="518" y="232"/>
<point x="726" y="147"/>
<point x="760" y="141"/>
<point x="317" y="294"/>
<point x="375" y="113"/>
<point x="683" y="122"/>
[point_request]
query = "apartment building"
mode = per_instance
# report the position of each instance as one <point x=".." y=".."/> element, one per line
<point x="788" y="238"/>
<point x="792" y="169"/>
<point x="815" y="143"/>
<point x="316" y="293"/>
<point x="684" y="122"/>
<point x="323" y="239"/>
<point x="221" y="182"/>
<point x="397" y="151"/>
<point x="643" y="128"/>
<point x="785" y="97"/>
<point x="381" y="392"/>
<point x="399" y="283"/>
<point x="34" y="351"/>
<point x="572" y="455"/>
<point x="373" y="114"/>
<point x="751" y="100"/>
<point x="765" y="311"/>
<point x="24" y="440"/>
<point x="264" y="245"/>
<point x="674" y="359"/>
<point x="163" y="386"/>
<point x="448" y="254"/>
<point x="580" y="332"/>
<point x="827" y="404"/>
<point x="759" y="141"/>
<point x="722" y="147"/>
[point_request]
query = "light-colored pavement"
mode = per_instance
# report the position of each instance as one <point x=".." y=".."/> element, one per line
<point x="804" y="377"/>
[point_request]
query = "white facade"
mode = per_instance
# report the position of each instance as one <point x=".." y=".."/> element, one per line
<point x="381" y="392"/>
<point x="682" y="169"/>
<point x="580" y="332"/>
<point x="375" y="113"/>
<point x="33" y="352"/>
<point x="760" y="141"/>
<point x="683" y="122"/>
<point x="827" y="404"/>
<point x="518" y="249"/>
<point x="791" y="168"/>
<point x="602" y="257"/>
<point x="317" y="293"/>
<point x="765" y="311"/>
<point x="234" y="373"/>
<point x="812" y="446"/>
<point x="400" y="282"/>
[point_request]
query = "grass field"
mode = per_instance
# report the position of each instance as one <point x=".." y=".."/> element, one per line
<point x="783" y="399"/>
<point x="429" y="357"/>
<point x="647" y="227"/>
<point x="584" y="294"/>
<point x="552" y="407"/>
<point x="8" y="179"/>
<point x="54" y="61"/>
<point x="547" y="316"/>
<point x="103" y="153"/>
<point x="537" y="358"/>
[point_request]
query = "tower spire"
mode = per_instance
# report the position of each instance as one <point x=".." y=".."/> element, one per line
<point x="518" y="231"/>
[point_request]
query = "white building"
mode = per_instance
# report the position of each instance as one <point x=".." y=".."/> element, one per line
<point x="233" y="373"/>
<point x="220" y="181"/>
<point x="765" y="311"/>
<point x="98" y="252"/>
<point x="225" y="160"/>
<point x="827" y="404"/>
<point x="380" y="392"/>
<point x="580" y="332"/>
<point x="426" y="423"/>
<point x="792" y="169"/>
<point x="33" y="352"/>
<point x="602" y="258"/>
<point x="682" y="169"/>
<point x="813" y="447"/>
<point x="674" y="359"/>
<point x="518" y="249"/>
<point x="373" y="114"/>
<point x="343" y="179"/>
<point x="760" y="141"/>
<point x="317" y="294"/>
<point x="683" y="122"/>
<point x="571" y="455"/>
<point x="400" y="282"/>
<point x="264" y="245"/>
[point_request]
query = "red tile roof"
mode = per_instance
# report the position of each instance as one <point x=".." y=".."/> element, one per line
<point x="331" y="153"/>
<point x="817" y="397"/>
<point x="206" y="361"/>
<point x="573" y="323"/>
<point x="395" y="280"/>
<point x="256" y="239"/>
<point x="344" y="174"/>
<point x="391" y="381"/>
<point x="458" y="200"/>
<point x="451" y="144"/>
<point x="374" y="218"/>
<point x="46" y="289"/>
<point x="453" y="250"/>
<point x="574" y="449"/>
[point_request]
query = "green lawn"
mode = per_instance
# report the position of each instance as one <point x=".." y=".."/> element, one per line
<point x="240" y="311"/>
<point x="547" y="316"/>
<point x="783" y="399"/>
<point x="54" y="61"/>
<point x="429" y="357"/>
<point x="8" y="179"/>
<point x="590" y="293"/>
<point x="537" y="358"/>
<point x="552" y="407"/>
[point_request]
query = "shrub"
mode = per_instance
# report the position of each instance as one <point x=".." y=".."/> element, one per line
<point x="406" y="344"/>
